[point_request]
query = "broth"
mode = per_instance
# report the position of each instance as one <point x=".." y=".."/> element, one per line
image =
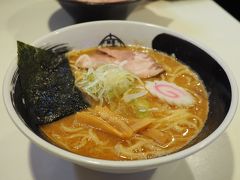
<point x="154" y="126"/>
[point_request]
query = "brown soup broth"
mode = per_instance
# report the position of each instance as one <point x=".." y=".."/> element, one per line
<point x="173" y="126"/>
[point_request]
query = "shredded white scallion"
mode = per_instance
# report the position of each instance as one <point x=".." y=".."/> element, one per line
<point x="107" y="82"/>
<point x="129" y="97"/>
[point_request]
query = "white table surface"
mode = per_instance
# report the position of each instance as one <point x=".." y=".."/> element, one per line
<point x="202" y="20"/>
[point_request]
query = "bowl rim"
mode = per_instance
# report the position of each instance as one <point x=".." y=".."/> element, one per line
<point x="86" y="3"/>
<point x="112" y="164"/>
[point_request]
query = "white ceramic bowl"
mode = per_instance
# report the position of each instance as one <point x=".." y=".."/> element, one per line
<point x="216" y="75"/>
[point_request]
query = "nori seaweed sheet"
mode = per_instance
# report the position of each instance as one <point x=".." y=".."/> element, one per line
<point x="47" y="84"/>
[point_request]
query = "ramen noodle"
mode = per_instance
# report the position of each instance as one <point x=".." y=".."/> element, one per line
<point x="143" y="104"/>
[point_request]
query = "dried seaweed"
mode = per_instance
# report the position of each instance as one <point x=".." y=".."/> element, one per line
<point x="47" y="84"/>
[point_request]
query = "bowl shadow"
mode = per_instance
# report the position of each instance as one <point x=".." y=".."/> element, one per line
<point x="142" y="14"/>
<point x="60" y="19"/>
<point x="201" y="165"/>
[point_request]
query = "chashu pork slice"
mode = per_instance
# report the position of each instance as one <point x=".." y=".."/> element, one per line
<point x="138" y="63"/>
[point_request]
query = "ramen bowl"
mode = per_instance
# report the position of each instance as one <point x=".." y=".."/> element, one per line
<point x="216" y="75"/>
<point x="92" y="10"/>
